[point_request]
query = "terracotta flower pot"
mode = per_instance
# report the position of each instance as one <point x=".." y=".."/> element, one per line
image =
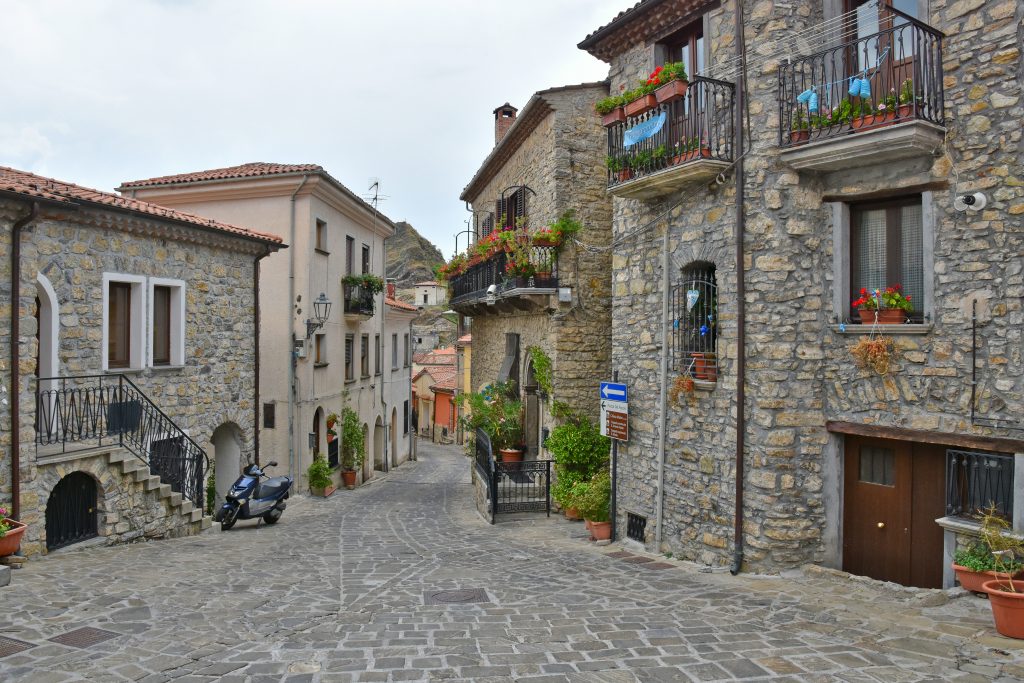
<point x="614" y="116"/>
<point x="572" y="514"/>
<point x="672" y="90"/>
<point x="601" y="531"/>
<point x="886" y="316"/>
<point x="348" y="477"/>
<point x="700" y="366"/>
<point x="797" y="137"/>
<point x="639" y="106"/>
<point x="11" y="541"/>
<point x="971" y="580"/>
<point x="324" y="492"/>
<point x="624" y="175"/>
<point x="511" y="454"/>
<point x="1007" y="608"/>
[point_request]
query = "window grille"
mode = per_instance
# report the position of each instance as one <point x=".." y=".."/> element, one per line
<point x="636" y="525"/>
<point x="695" y="322"/>
<point x="976" y="481"/>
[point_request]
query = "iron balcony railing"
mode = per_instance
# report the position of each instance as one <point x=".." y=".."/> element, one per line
<point x="358" y="300"/>
<point x="474" y="283"/>
<point x="699" y="125"/>
<point x="824" y="95"/>
<point x="77" y="413"/>
<point x="975" y="482"/>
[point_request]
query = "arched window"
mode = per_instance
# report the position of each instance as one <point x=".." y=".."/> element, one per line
<point x="695" y="322"/>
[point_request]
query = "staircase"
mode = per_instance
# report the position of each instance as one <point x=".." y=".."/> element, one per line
<point x="133" y="467"/>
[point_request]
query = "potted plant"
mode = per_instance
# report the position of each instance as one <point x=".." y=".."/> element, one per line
<point x="974" y="565"/>
<point x="610" y="109"/>
<point x="671" y="81"/>
<point x="594" y="506"/>
<point x="496" y="411"/>
<point x="705" y="366"/>
<point x="11" y="532"/>
<point x="640" y="100"/>
<point x="801" y="129"/>
<point x="579" y="451"/>
<point x="687" y="150"/>
<point x="886" y="307"/>
<point x="319" y="475"/>
<point x="864" y="115"/>
<point x="619" y="166"/>
<point x="1005" y="595"/>
<point x="353" y="450"/>
<point x="573" y="498"/>
<point x="907" y="99"/>
<point x="876" y="353"/>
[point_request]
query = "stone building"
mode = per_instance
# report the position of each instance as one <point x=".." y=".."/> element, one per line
<point x="430" y="293"/>
<point x="861" y="127"/>
<point x="546" y="160"/>
<point x="135" y="362"/>
<point x="310" y="370"/>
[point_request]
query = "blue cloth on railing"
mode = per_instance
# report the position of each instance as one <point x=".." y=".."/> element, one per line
<point x="642" y="131"/>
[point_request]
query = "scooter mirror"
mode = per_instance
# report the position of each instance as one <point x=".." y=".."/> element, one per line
<point x="272" y="463"/>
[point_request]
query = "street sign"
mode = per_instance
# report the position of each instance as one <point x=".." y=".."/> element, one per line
<point x="615" y="419"/>
<point x="614" y="391"/>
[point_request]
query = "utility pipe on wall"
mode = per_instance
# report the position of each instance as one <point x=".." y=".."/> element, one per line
<point x="292" y="360"/>
<point x="18" y="226"/>
<point x="663" y="394"/>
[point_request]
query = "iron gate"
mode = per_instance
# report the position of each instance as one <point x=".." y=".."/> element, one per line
<point x="513" y="486"/>
<point x="71" y="511"/>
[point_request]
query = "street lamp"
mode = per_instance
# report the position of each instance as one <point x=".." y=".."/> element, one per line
<point x="321" y="309"/>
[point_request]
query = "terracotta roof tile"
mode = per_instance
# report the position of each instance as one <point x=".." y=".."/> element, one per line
<point x="427" y="283"/>
<point x="50" y="189"/>
<point x="464" y="339"/>
<point x="400" y="305"/>
<point x="250" y="170"/>
<point x="443" y="376"/>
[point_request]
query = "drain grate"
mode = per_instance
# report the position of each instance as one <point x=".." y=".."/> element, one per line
<point x="84" y="637"/>
<point x="620" y="554"/>
<point x="658" y="565"/>
<point x="463" y="596"/>
<point x="637" y="560"/>
<point x="10" y="646"/>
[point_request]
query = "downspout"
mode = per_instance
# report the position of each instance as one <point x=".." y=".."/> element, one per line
<point x="741" y="292"/>
<point x="413" y="435"/>
<point x="663" y="394"/>
<point x="292" y="360"/>
<point x="383" y="314"/>
<point x="16" y="357"/>
<point x="256" y="360"/>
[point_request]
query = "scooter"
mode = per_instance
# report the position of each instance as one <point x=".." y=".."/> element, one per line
<point x="249" y="498"/>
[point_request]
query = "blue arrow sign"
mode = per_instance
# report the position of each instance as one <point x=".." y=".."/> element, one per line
<point x="613" y="391"/>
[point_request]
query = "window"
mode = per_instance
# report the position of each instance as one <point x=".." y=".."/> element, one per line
<point x="364" y="355"/>
<point x="321" y="236"/>
<point x="512" y="206"/>
<point x="877" y="465"/>
<point x="887" y="248"/>
<point x="405" y="417"/>
<point x="366" y="260"/>
<point x="686" y="46"/>
<point x="268" y="416"/>
<point x="377" y="351"/>
<point x="350" y="255"/>
<point x="424" y="299"/>
<point x="320" y="350"/>
<point x="350" y="371"/>
<point x="406" y="346"/>
<point x="167" y="322"/>
<point x="394" y="352"/>
<point x="695" y="322"/>
<point x="124" y="321"/>
<point x="486" y="226"/>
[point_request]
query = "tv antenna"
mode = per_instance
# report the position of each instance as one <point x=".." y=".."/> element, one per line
<point x="373" y="195"/>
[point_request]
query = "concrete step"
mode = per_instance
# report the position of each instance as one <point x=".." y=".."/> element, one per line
<point x="152" y="483"/>
<point x="119" y="455"/>
<point x="142" y="475"/>
<point x="206" y="523"/>
<point x="175" y="498"/>
<point x="187" y="507"/>
<point x="165" y="490"/>
<point x="196" y="515"/>
<point x="132" y="464"/>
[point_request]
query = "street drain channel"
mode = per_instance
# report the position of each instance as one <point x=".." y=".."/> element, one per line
<point x="84" y="637"/>
<point x="463" y="596"/>
<point x="10" y="646"/>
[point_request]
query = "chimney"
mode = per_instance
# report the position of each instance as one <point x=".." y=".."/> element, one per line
<point x="391" y="289"/>
<point x="504" y="117"/>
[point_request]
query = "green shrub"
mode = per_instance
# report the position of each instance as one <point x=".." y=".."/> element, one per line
<point x="319" y="473"/>
<point x="977" y="558"/>
<point x="577" y="445"/>
<point x="353" y="450"/>
<point x="594" y="504"/>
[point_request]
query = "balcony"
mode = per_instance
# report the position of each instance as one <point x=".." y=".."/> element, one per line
<point x="358" y="302"/>
<point x="469" y="290"/>
<point x="693" y="144"/>
<point x="897" y="115"/>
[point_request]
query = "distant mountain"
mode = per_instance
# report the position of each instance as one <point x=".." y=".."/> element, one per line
<point x="411" y="257"/>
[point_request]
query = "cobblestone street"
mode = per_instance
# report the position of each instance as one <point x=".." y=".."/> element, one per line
<point x="342" y="590"/>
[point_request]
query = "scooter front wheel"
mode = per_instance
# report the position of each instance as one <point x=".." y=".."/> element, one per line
<point x="229" y="519"/>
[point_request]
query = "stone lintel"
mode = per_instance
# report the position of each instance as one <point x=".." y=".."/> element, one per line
<point x="669" y="180"/>
<point x="878" y="146"/>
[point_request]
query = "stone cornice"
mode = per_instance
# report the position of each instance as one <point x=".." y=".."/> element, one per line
<point x="646" y="20"/>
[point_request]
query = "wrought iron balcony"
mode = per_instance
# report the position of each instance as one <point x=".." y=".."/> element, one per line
<point x="470" y="291"/>
<point x="358" y="301"/>
<point x="875" y="99"/>
<point x="694" y="142"/>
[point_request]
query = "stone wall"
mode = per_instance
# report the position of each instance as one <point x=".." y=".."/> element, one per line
<point x="215" y="384"/>
<point x="799" y="371"/>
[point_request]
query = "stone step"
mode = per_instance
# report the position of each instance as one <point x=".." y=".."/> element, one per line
<point x="141" y="475"/>
<point x="187" y="507"/>
<point x="165" y="490"/>
<point x="196" y="515"/>
<point x="152" y="483"/>
<point x="119" y="455"/>
<point x="132" y="464"/>
<point x="175" y="498"/>
<point x="206" y="523"/>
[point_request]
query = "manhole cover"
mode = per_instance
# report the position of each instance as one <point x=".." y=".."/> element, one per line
<point x="658" y="565"/>
<point x="637" y="560"/>
<point x="456" y="597"/>
<point x="10" y="646"/>
<point x="84" y="637"/>
<point x="620" y="554"/>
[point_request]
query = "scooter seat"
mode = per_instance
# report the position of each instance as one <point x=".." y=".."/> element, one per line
<point x="274" y="487"/>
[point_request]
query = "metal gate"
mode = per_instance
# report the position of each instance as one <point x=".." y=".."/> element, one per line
<point x="513" y="486"/>
<point x="71" y="511"/>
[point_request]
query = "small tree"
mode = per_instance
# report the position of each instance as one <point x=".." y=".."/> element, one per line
<point x="353" y="450"/>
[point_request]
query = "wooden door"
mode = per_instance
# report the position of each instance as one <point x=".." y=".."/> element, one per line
<point x="877" y="509"/>
<point x="928" y="503"/>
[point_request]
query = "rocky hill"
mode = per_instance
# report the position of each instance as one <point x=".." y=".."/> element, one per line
<point x="411" y="257"/>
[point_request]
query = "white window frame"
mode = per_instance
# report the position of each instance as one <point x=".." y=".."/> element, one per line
<point x="177" y="288"/>
<point x="139" y="347"/>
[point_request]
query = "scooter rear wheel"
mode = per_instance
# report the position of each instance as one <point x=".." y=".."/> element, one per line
<point x="229" y="519"/>
<point x="272" y="517"/>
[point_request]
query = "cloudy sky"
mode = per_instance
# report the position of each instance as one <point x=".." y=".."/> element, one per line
<point x="99" y="91"/>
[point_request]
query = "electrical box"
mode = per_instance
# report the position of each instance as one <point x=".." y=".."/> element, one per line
<point x="565" y="295"/>
<point x="300" y="348"/>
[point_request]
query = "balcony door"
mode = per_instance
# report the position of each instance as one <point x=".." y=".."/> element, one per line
<point x="883" y="44"/>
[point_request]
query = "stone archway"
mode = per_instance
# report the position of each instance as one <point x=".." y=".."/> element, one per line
<point x="378" y="444"/>
<point x="72" y="510"/>
<point x="531" y="412"/>
<point x="47" y="350"/>
<point x="319" y="432"/>
<point x="227" y="457"/>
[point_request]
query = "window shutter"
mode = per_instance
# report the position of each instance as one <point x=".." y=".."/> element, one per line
<point x="520" y="204"/>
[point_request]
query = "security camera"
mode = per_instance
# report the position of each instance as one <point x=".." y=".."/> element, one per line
<point x="493" y="289"/>
<point x="974" y="202"/>
<point x="492" y="295"/>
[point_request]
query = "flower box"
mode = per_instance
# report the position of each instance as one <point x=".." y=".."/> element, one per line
<point x="639" y="106"/>
<point x="886" y="316"/>
<point x="673" y="90"/>
<point x="700" y="153"/>
<point x="614" y="116"/>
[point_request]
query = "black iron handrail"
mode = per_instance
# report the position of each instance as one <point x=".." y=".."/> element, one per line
<point x="358" y="299"/>
<point x="977" y="481"/>
<point x="902" y="64"/>
<point x="474" y="283"/>
<point x="81" y="412"/>
<point x="698" y="125"/>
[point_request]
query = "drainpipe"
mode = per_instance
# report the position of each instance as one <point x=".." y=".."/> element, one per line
<point x="16" y="357"/>
<point x="292" y="360"/>
<point x="256" y="359"/>
<point x="383" y="314"/>
<point x="663" y="395"/>
<point x="741" y="292"/>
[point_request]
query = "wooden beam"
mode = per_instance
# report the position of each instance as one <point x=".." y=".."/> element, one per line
<point x="986" y="443"/>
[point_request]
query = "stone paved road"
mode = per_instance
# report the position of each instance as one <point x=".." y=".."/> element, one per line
<point x="337" y="592"/>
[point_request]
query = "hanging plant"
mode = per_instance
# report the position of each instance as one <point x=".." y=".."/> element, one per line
<point x="876" y="353"/>
<point x="683" y="385"/>
<point x="541" y="369"/>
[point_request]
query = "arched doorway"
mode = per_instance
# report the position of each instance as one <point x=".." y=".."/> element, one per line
<point x="47" y="363"/>
<point x="71" y="514"/>
<point x="394" y="436"/>
<point x="531" y="410"/>
<point x="319" y="433"/>
<point x="367" y="450"/>
<point x="227" y="457"/>
<point x="378" y="445"/>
